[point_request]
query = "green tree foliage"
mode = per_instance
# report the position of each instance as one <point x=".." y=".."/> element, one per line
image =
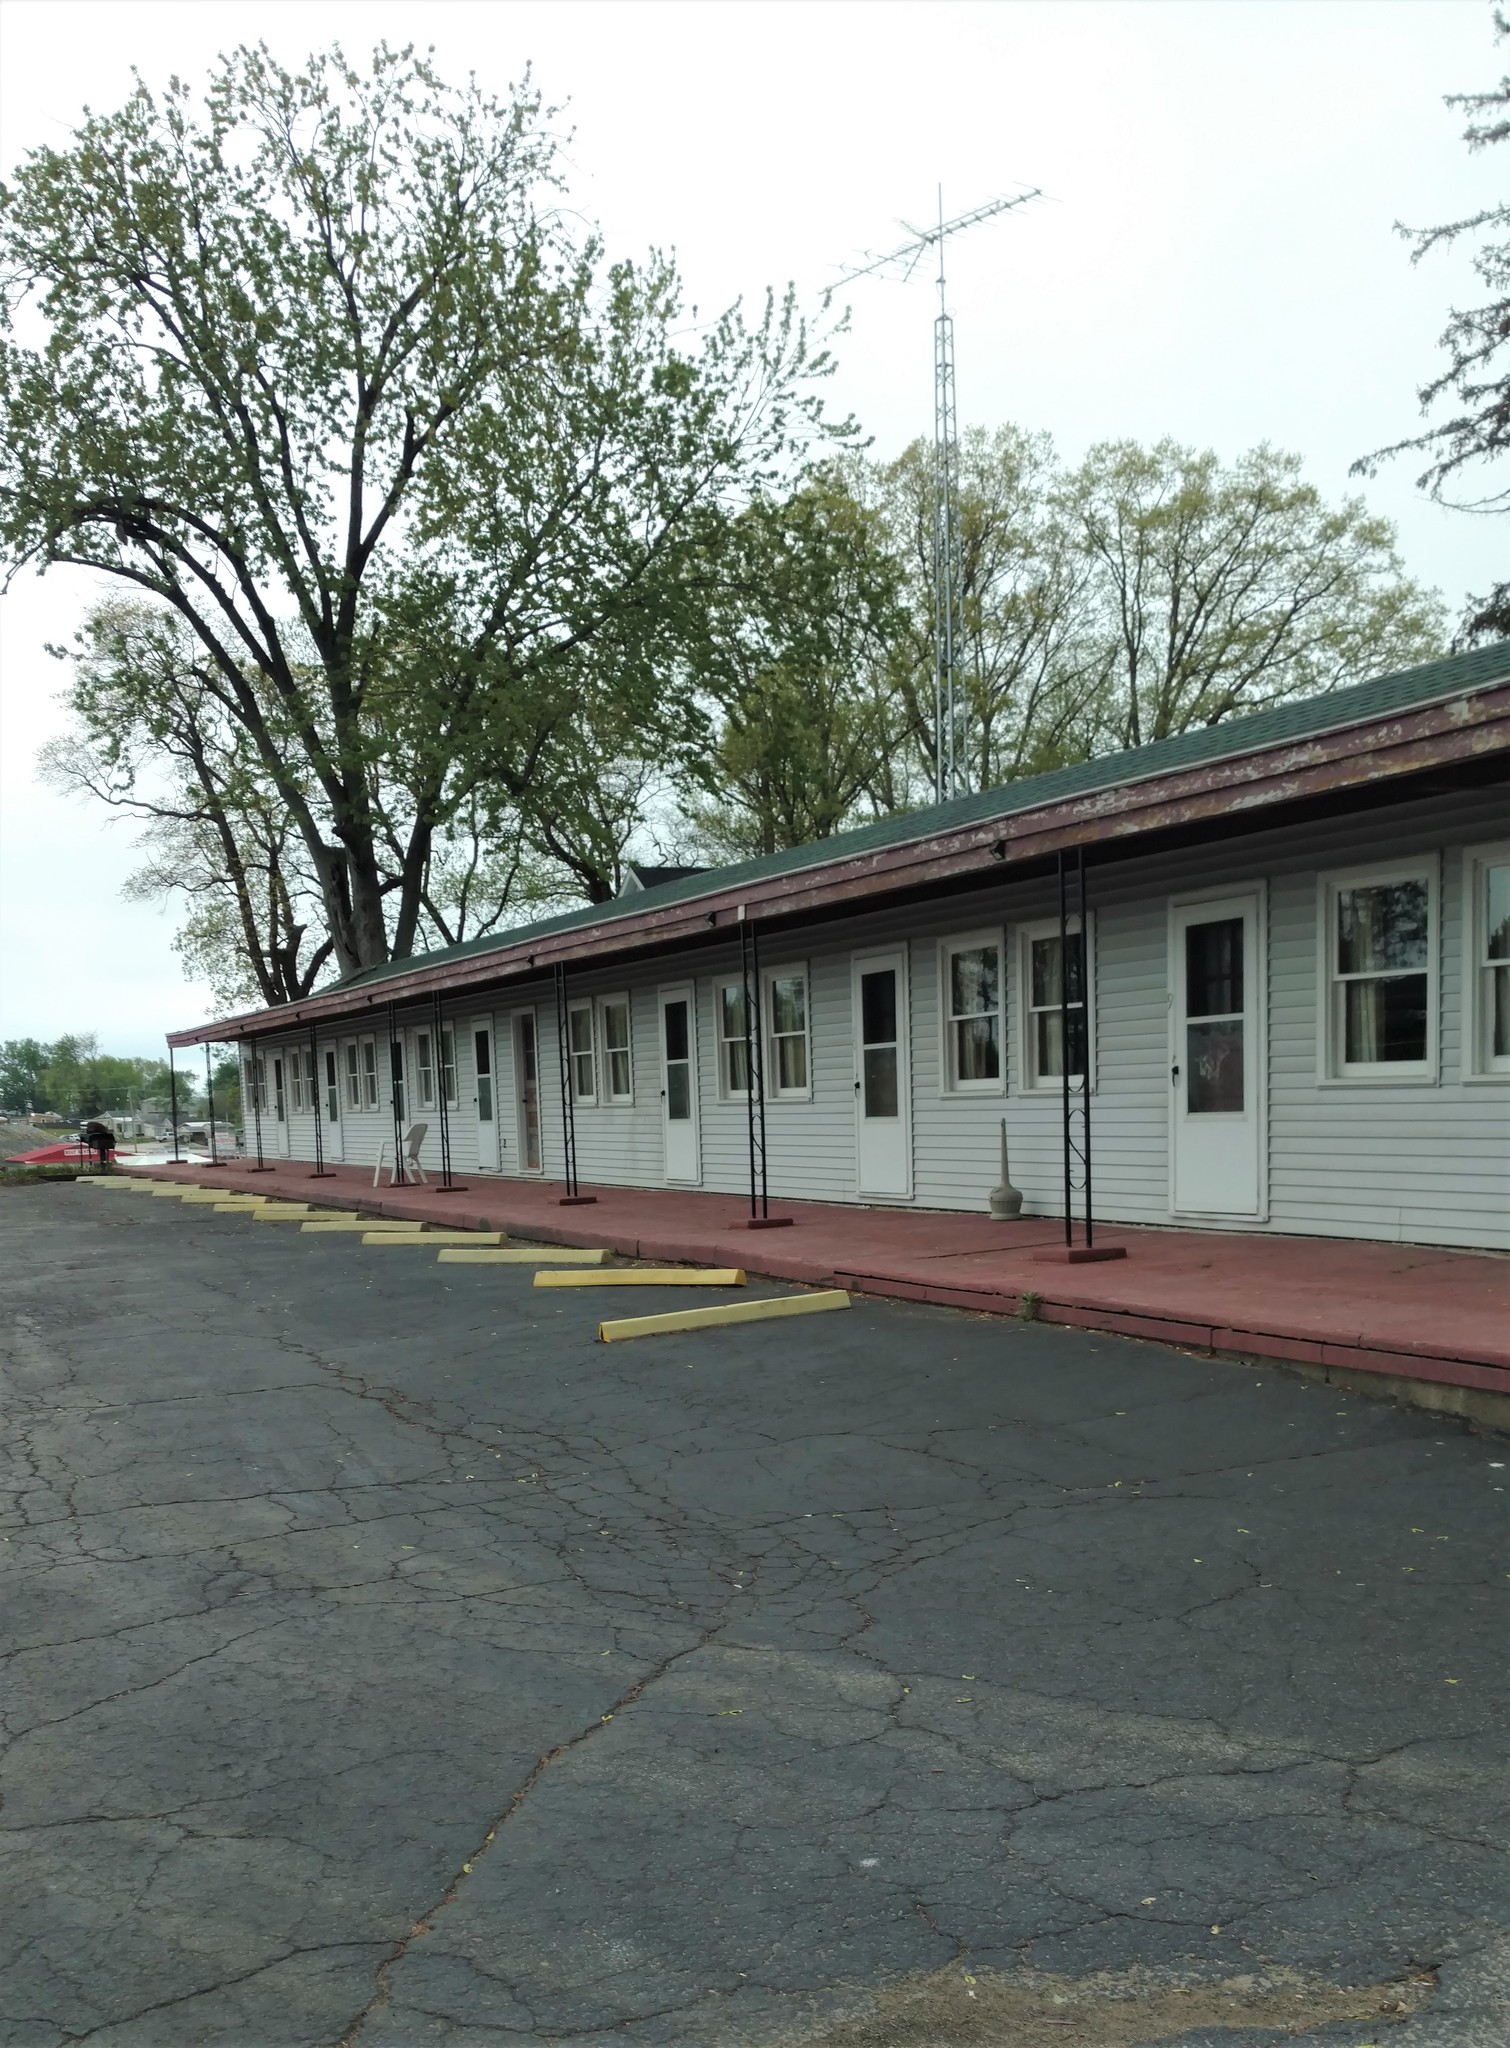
<point x="325" y="370"/>
<point x="1213" y="591"/>
<point x="799" y="668"/>
<point x="1140" y="593"/>
<point x="73" y="1078"/>
<point x="1474" y="387"/>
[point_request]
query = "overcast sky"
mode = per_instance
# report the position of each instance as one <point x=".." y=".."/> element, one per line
<point x="1216" y="260"/>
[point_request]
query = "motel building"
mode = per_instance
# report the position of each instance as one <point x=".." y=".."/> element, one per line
<point x="1273" y="955"/>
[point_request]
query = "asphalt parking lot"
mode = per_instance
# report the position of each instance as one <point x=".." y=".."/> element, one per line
<point x="389" y="1662"/>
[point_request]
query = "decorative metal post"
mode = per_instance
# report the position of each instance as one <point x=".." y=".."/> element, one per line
<point x="254" y="1072"/>
<point x="749" y="963"/>
<point x="317" y="1091"/>
<point x="1076" y="1109"/>
<point x="209" y="1090"/>
<point x="573" y="1198"/>
<point x="173" y="1101"/>
<point x="396" y="1091"/>
<point x="448" y="1186"/>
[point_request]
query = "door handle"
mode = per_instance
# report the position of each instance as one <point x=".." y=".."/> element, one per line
<point x="1174" y="1076"/>
<point x="857" y="1087"/>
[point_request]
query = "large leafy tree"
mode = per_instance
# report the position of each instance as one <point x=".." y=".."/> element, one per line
<point x="799" y="668"/>
<point x="1212" y="591"/>
<point x="324" y="370"/>
<point x="1471" y="394"/>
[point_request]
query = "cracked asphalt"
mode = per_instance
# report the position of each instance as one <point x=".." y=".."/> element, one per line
<point x="388" y="1662"/>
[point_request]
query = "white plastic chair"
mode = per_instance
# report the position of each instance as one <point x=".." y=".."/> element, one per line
<point x="408" y="1168"/>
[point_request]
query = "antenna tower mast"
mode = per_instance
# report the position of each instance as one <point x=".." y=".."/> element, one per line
<point x="950" y="739"/>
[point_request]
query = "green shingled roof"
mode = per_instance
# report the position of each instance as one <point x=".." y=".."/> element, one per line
<point x="1352" y="706"/>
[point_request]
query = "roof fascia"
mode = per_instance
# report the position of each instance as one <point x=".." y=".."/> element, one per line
<point x="1453" y="727"/>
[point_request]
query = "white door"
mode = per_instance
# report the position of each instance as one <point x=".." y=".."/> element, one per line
<point x="527" y="1090"/>
<point x="1216" y="1067"/>
<point x="330" y="1103"/>
<point x="485" y="1097"/>
<point x="679" y="1086"/>
<point x="280" y="1107"/>
<point x="883" y="1093"/>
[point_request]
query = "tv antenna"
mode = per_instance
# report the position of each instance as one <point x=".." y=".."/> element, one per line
<point x="949" y="745"/>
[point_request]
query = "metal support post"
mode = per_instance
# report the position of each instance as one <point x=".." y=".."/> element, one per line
<point x="254" y="1072"/>
<point x="209" y="1090"/>
<point x="396" y="1093"/>
<point x="749" y="961"/>
<point x="448" y="1186"/>
<point x="573" y="1198"/>
<point x="317" y="1090"/>
<point x="1075" y="998"/>
<point x="173" y="1103"/>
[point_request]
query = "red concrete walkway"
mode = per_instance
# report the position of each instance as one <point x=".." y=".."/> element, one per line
<point x="1407" y="1310"/>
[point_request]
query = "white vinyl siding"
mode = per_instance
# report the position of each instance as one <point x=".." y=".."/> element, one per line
<point x="1394" y="1160"/>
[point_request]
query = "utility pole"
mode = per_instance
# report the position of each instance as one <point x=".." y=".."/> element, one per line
<point x="950" y="742"/>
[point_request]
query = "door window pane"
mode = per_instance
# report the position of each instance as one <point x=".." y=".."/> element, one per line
<point x="1214" y="968"/>
<point x="677" y="1032"/>
<point x="678" y="1092"/>
<point x="878" y="1007"/>
<point x="880" y="1078"/>
<point x="1214" y="1065"/>
<point x="332" y="1090"/>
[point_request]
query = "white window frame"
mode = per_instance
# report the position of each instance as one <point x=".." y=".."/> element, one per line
<point x="422" y="1084"/>
<point x="1331" y="1070"/>
<point x="727" y="1091"/>
<point x="1479" y="1063"/>
<point x="575" y="1053"/>
<point x="1029" y="1081"/>
<point x="769" y="977"/>
<point x="606" y="1049"/>
<point x="294" y="1067"/>
<point x="449" y="1079"/>
<point x="351" y="1074"/>
<point x="371" y="1093"/>
<point x="971" y="942"/>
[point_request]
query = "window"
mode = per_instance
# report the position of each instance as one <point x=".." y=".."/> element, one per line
<point x="733" y="1042"/>
<point x="618" y="1070"/>
<point x="369" y="1074"/>
<point x="970" y="979"/>
<point x="296" y="1077"/>
<point x="579" y="1052"/>
<point x="396" y="1076"/>
<point x="256" y="1094"/>
<point x="424" y="1069"/>
<point x="1486" y="922"/>
<point x="786" y="1006"/>
<point x="353" y="1075"/>
<point x="448" y="1064"/>
<point x="1379" y="936"/>
<point x="1043" y="1017"/>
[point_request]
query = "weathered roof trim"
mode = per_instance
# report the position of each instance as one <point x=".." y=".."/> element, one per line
<point x="1457" y="726"/>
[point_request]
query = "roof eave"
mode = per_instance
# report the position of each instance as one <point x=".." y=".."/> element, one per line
<point x="1457" y="726"/>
